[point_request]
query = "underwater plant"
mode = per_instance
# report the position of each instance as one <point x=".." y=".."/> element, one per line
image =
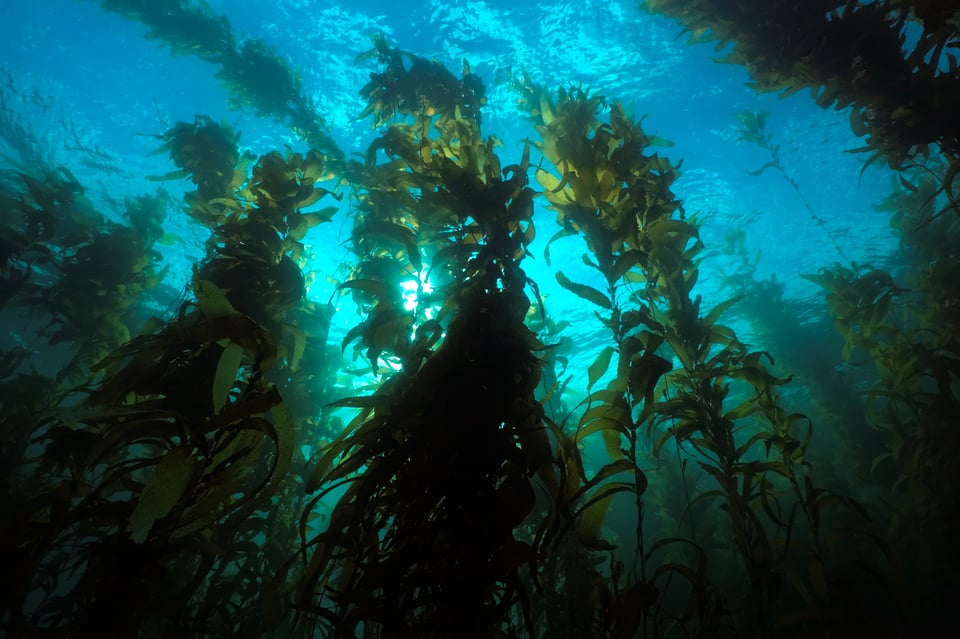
<point x="255" y="75"/>
<point x="84" y="276"/>
<point x="435" y="469"/>
<point x="899" y="325"/>
<point x="426" y="87"/>
<point x="166" y="460"/>
<point x="849" y="53"/>
<point x="753" y="130"/>
<point x="196" y="480"/>
<point x="681" y="377"/>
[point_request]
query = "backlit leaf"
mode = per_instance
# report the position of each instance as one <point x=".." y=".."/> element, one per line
<point x="599" y="366"/>
<point x="583" y="291"/>
<point x="226" y="375"/>
<point x="167" y="484"/>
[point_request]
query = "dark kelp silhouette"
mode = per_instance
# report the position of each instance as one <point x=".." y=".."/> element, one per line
<point x="188" y="476"/>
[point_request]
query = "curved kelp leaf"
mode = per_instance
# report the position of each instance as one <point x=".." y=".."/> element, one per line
<point x="226" y="375"/>
<point x="165" y="488"/>
<point x="584" y="292"/>
<point x="596" y="370"/>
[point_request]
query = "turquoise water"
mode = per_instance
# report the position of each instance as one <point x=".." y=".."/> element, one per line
<point x="109" y="95"/>
<point x="115" y="91"/>
<point x="84" y="88"/>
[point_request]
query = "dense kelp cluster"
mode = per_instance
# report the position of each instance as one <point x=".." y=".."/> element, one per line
<point x="849" y="54"/>
<point x="900" y="323"/>
<point x="156" y="474"/>
<point x="896" y="319"/>
<point x="64" y="262"/>
<point x="189" y="473"/>
<point x="437" y="466"/>
<point x="718" y="405"/>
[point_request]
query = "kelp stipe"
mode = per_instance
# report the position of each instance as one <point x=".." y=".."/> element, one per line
<point x="753" y="130"/>
<point x="903" y="330"/>
<point x="619" y="200"/>
<point x="164" y="463"/>
<point x="436" y="467"/>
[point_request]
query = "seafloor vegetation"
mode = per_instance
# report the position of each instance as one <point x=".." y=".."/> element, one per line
<point x="191" y="473"/>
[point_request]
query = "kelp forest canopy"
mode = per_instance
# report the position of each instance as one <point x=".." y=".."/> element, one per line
<point x="550" y="414"/>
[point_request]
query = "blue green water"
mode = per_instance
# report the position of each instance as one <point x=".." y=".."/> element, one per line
<point x="83" y="88"/>
<point x="113" y="88"/>
<point x="110" y="90"/>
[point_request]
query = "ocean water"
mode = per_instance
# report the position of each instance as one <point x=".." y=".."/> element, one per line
<point x="82" y="87"/>
<point x="116" y="91"/>
<point x="105" y="97"/>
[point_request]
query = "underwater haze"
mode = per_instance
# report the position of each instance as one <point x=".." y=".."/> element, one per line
<point x="479" y="319"/>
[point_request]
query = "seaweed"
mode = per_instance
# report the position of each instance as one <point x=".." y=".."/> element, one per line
<point x="63" y="260"/>
<point x="685" y="380"/>
<point x="410" y="84"/>
<point x="436" y="466"/>
<point x="753" y="130"/>
<point x="254" y="74"/>
<point x="849" y="54"/>
<point x="161" y="463"/>
<point x="196" y="480"/>
<point x="900" y="326"/>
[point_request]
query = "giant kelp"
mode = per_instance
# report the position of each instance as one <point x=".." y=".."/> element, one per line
<point x="718" y="403"/>
<point x="753" y="129"/>
<point x="894" y="319"/>
<point x="85" y="280"/>
<point x="409" y="84"/>
<point x="436" y="468"/>
<point x="66" y="263"/>
<point x="854" y="54"/>
<point x="196" y="485"/>
<point x="256" y="77"/>
<point x="899" y="324"/>
<point x="165" y="461"/>
<point x="849" y="54"/>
